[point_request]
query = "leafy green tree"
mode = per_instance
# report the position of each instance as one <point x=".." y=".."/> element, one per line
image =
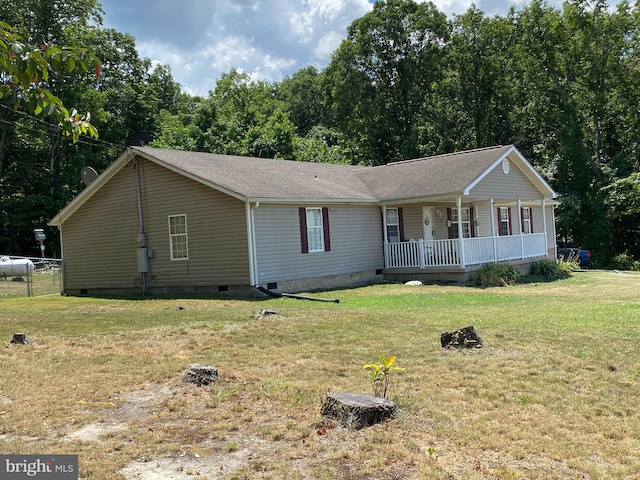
<point x="623" y="200"/>
<point x="382" y="76"/>
<point x="302" y="96"/>
<point x="23" y="68"/>
<point x="479" y="61"/>
<point x="320" y="145"/>
<point x="39" y="168"/>
<point x="573" y="67"/>
<point x="243" y="117"/>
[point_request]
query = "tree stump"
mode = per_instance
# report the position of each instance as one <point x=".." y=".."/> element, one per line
<point x="201" y="374"/>
<point x="20" y="338"/>
<point x="463" y="338"/>
<point x="356" y="410"/>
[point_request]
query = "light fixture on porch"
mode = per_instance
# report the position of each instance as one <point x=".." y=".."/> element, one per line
<point x="476" y="223"/>
<point x="438" y="213"/>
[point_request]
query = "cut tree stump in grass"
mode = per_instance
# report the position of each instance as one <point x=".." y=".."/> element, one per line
<point x="201" y="374"/>
<point x="464" y="338"/>
<point x="357" y="410"/>
<point x="20" y="338"/>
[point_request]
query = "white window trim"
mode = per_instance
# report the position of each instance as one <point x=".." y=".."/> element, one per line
<point x="173" y="236"/>
<point x="392" y="224"/>
<point x="315" y="231"/>
<point x="504" y="222"/>
<point x="526" y="221"/>
<point x="454" y="221"/>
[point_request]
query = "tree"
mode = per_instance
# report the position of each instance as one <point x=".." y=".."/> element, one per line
<point x="382" y="75"/>
<point x="575" y="69"/>
<point x="24" y="68"/>
<point x="243" y="117"/>
<point x="302" y="95"/>
<point x="480" y="63"/>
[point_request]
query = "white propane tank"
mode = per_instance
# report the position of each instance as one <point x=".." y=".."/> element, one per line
<point x="16" y="267"/>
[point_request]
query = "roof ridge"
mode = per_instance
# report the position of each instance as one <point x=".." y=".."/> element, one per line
<point x="450" y="154"/>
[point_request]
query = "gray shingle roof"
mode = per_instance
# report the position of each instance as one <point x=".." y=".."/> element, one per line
<point x="261" y="179"/>
<point x="268" y="179"/>
<point x="265" y="179"/>
<point x="443" y="174"/>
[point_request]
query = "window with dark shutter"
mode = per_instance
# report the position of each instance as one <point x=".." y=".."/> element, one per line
<point x="314" y="229"/>
<point x="504" y="221"/>
<point x="527" y="224"/>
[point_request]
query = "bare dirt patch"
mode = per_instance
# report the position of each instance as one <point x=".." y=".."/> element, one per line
<point x="188" y="467"/>
<point x="137" y="404"/>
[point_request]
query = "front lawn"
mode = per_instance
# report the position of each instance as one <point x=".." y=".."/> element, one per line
<point x="553" y="394"/>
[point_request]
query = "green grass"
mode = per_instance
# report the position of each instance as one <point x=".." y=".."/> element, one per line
<point x="552" y="395"/>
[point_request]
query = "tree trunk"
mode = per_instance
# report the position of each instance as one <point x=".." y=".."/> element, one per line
<point x="20" y="338"/>
<point x="356" y="410"/>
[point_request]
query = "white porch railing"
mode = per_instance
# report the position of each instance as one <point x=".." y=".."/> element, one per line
<point x="477" y="250"/>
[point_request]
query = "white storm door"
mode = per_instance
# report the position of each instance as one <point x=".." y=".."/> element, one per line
<point x="427" y="223"/>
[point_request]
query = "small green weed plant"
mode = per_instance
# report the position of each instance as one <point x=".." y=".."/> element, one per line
<point x="380" y="372"/>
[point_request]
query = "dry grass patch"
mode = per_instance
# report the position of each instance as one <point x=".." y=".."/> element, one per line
<point x="552" y="395"/>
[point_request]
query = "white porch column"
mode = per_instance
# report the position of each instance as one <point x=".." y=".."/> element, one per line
<point x="520" y="228"/>
<point x="460" y="237"/>
<point x="492" y="210"/>
<point x="544" y="226"/>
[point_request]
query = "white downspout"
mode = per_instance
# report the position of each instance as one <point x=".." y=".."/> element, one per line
<point x="251" y="236"/>
<point x="460" y="237"/>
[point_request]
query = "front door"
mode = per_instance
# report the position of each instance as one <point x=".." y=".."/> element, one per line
<point x="427" y="224"/>
<point x="428" y="228"/>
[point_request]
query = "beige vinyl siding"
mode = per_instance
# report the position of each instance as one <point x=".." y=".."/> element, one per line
<point x="412" y="222"/>
<point x="513" y="185"/>
<point x="100" y="238"/>
<point x="216" y="231"/>
<point x="356" y="243"/>
<point x="551" y="228"/>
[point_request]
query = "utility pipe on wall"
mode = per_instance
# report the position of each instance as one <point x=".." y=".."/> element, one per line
<point x="141" y="253"/>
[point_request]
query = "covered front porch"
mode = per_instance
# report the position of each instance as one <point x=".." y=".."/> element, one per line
<point x="452" y="235"/>
<point x="462" y="252"/>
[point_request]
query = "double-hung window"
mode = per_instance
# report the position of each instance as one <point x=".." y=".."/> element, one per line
<point x="178" y="241"/>
<point x="526" y="220"/>
<point x="504" y="221"/>
<point x="314" y="229"/>
<point x="315" y="237"/>
<point x="393" y="225"/>
<point x="465" y="221"/>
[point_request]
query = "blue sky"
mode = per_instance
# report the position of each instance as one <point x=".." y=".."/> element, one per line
<point x="268" y="39"/>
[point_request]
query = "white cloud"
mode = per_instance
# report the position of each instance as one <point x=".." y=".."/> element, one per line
<point x="327" y="44"/>
<point x="269" y="39"/>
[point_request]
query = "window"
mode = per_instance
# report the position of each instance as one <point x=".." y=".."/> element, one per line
<point x="393" y="224"/>
<point x="504" y="221"/>
<point x="466" y="222"/>
<point x="315" y="236"/>
<point x="314" y="229"/>
<point x="526" y="220"/>
<point x="178" y="237"/>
